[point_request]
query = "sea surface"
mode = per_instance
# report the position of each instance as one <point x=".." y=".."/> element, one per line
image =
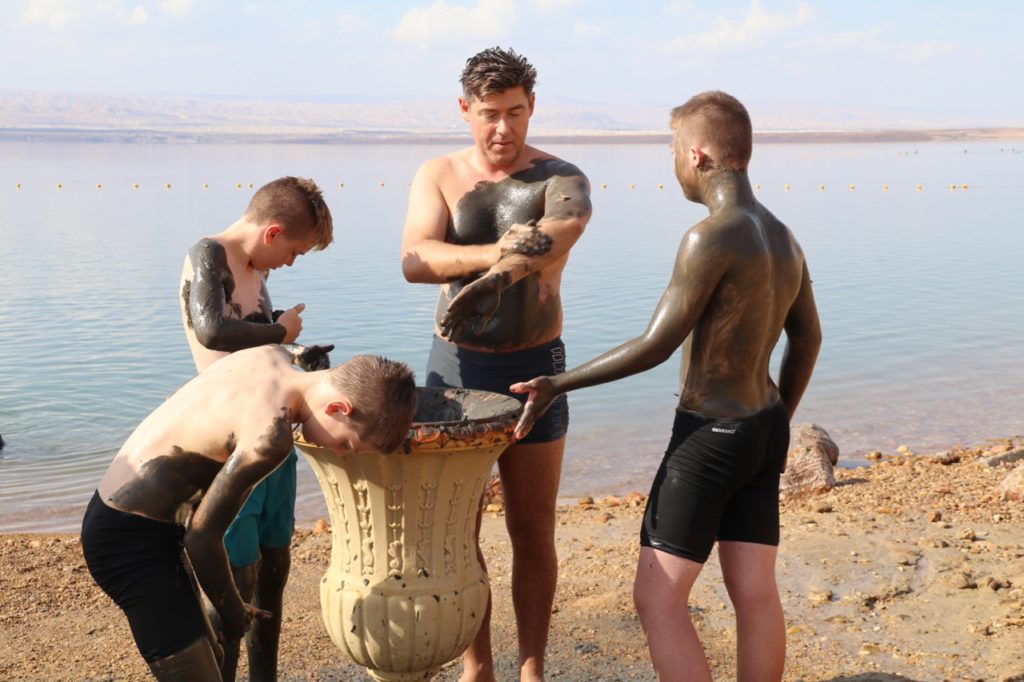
<point x="919" y="288"/>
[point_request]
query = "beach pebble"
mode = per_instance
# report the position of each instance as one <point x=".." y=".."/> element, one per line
<point x="1012" y="487"/>
<point x="934" y="516"/>
<point x="903" y="449"/>
<point x="812" y="456"/>
<point x="320" y="526"/>
<point x="869" y="648"/>
<point x="966" y="534"/>
<point x="1007" y="457"/>
<point x="585" y="501"/>
<point x="818" y="597"/>
<point x="874" y="456"/>
<point x="962" y="581"/>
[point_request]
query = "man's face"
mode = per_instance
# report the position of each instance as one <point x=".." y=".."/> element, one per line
<point x="686" y="173"/>
<point x="498" y="123"/>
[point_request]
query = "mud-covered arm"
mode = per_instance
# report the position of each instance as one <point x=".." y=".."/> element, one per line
<point x="803" y="341"/>
<point x="426" y="256"/>
<point x="567" y="210"/>
<point x="207" y="298"/>
<point x="695" y="276"/>
<point x="204" y="539"/>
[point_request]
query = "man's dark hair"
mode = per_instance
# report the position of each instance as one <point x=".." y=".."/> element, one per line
<point x="725" y="124"/>
<point x="298" y="204"/>
<point x="496" y="70"/>
<point x="383" y="394"/>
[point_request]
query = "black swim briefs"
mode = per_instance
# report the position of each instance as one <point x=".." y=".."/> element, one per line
<point x="719" y="480"/>
<point x="452" y="366"/>
<point x="138" y="562"/>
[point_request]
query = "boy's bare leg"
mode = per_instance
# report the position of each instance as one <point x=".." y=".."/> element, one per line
<point x="749" y="572"/>
<point x="661" y="593"/>
<point x="264" y="634"/>
<point x="245" y="581"/>
<point x="194" y="663"/>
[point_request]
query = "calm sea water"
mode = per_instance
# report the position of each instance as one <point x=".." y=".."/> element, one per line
<point x="919" y="293"/>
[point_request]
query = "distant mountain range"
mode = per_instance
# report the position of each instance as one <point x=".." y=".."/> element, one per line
<point x="26" y="115"/>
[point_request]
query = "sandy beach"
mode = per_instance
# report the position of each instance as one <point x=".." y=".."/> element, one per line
<point x="911" y="568"/>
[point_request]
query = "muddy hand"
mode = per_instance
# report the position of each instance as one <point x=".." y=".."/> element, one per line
<point x="474" y="306"/>
<point x="526" y="240"/>
<point x="541" y="395"/>
<point x="313" y="358"/>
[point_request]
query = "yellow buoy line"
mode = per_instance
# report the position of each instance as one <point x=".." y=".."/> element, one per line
<point x="604" y="186"/>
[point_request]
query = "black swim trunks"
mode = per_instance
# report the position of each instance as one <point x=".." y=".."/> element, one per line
<point x="452" y="366"/>
<point x="138" y="562"/>
<point x="719" y="480"/>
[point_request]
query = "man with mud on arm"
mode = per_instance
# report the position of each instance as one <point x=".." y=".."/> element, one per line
<point x="493" y="225"/>
<point x="739" y="280"/>
<point x="198" y="456"/>
<point x="225" y="307"/>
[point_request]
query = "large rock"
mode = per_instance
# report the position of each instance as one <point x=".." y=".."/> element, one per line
<point x="812" y="456"/>
<point x="1012" y="487"/>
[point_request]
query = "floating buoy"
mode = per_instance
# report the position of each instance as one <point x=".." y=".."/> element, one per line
<point x="821" y="188"/>
<point x="952" y="187"/>
<point x="99" y="185"/>
<point x="604" y="185"/>
<point x="632" y="186"/>
<point x="757" y="186"/>
<point x="785" y="187"/>
<point x="885" y="188"/>
<point x="382" y="183"/>
<point x="250" y="185"/>
<point x="135" y="185"/>
<point x="341" y="184"/>
<point x="206" y="185"/>
<point x="17" y="185"/>
<point x="963" y="186"/>
<point x="918" y="187"/>
<point x="661" y="186"/>
<point x="59" y="185"/>
<point x="852" y="186"/>
<point x="167" y="185"/>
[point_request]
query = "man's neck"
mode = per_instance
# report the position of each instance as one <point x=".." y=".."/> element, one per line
<point x="497" y="172"/>
<point x="725" y="189"/>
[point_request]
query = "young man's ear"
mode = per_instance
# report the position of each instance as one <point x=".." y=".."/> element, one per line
<point x="698" y="158"/>
<point x="464" y="108"/>
<point x="343" y="407"/>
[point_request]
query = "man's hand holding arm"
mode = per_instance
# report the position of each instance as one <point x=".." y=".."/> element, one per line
<point x="803" y="340"/>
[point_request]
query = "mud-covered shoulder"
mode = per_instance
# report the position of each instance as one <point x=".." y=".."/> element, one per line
<point x="547" y="168"/>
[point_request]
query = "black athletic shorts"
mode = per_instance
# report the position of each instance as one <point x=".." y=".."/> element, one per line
<point x="138" y="562"/>
<point x="719" y="480"/>
<point x="452" y="366"/>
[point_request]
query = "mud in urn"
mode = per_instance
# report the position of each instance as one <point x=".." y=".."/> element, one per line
<point x="405" y="591"/>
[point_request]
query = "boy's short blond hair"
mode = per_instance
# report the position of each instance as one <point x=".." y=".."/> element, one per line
<point x="298" y="205"/>
<point x="383" y="393"/>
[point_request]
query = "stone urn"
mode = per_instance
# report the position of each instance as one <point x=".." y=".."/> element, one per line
<point x="405" y="591"/>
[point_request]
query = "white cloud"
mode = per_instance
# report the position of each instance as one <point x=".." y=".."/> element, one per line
<point x="581" y="30"/>
<point x="56" y="15"/>
<point x="682" y="8"/>
<point x="139" y="15"/>
<point x="554" y="5"/>
<point x="441" y="22"/>
<point x="925" y="51"/>
<point x="176" y="8"/>
<point x="756" y="28"/>
<point x="350" y="23"/>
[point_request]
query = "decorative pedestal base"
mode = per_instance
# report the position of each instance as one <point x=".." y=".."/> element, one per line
<point x="405" y="591"/>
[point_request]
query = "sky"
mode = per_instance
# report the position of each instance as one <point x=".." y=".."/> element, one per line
<point x="952" y="62"/>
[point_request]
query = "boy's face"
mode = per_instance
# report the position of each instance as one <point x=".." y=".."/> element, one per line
<point x="279" y="250"/>
<point x="330" y="426"/>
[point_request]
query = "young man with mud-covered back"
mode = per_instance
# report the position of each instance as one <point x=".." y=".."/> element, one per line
<point x="225" y="307"/>
<point x="183" y="474"/>
<point x="739" y="280"/>
<point x="493" y="225"/>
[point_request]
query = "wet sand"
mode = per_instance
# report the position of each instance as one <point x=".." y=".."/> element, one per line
<point x="909" y="569"/>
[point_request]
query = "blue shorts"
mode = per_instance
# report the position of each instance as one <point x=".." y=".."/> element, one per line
<point x="452" y="366"/>
<point x="267" y="519"/>
<point x="719" y="480"/>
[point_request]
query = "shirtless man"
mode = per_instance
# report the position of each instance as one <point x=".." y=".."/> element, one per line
<point x="493" y="224"/>
<point x="201" y="453"/>
<point x="739" y="280"/>
<point x="225" y="307"/>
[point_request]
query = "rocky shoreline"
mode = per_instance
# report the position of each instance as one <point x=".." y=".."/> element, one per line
<point x="911" y="568"/>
